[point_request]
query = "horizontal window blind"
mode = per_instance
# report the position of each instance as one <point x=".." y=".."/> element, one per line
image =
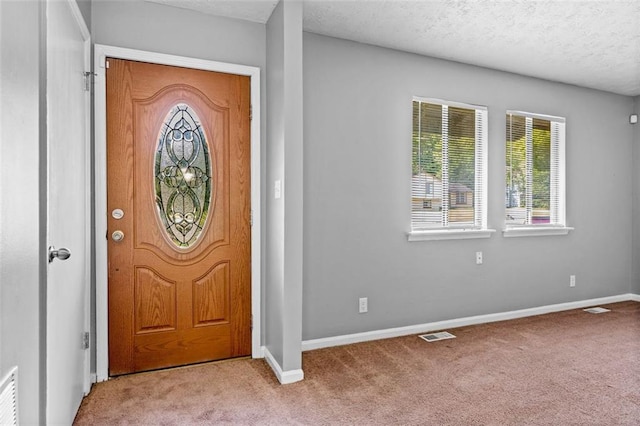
<point x="448" y="165"/>
<point x="534" y="193"/>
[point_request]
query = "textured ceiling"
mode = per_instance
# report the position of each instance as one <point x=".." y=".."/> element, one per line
<point x="593" y="43"/>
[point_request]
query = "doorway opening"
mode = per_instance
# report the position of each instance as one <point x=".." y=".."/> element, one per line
<point x="217" y="274"/>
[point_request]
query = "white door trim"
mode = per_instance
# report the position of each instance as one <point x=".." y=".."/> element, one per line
<point x="87" y="102"/>
<point x="100" y="53"/>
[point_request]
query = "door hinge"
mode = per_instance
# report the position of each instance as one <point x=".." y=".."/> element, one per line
<point x="251" y="322"/>
<point x="251" y="218"/>
<point x="88" y="80"/>
<point x="86" y="340"/>
<point x="250" y="112"/>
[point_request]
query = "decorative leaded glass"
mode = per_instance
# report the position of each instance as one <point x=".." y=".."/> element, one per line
<point x="182" y="176"/>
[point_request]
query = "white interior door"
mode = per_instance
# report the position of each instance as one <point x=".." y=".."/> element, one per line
<point x="68" y="210"/>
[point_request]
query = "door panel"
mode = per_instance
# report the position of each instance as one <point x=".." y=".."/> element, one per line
<point x="209" y="295"/>
<point x="68" y="216"/>
<point x="154" y="299"/>
<point x="179" y="169"/>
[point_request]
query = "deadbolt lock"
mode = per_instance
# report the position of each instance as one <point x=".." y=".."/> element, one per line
<point x="117" y="214"/>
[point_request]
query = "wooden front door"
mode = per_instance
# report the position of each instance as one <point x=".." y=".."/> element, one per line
<point x="178" y="201"/>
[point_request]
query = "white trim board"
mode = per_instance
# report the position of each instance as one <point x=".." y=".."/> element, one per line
<point x="101" y="52"/>
<point x="284" y="377"/>
<point x="86" y="35"/>
<point x="326" y="342"/>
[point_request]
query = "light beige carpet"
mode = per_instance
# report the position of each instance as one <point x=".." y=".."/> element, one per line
<point x="569" y="368"/>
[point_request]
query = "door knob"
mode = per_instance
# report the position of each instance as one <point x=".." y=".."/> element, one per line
<point x="117" y="235"/>
<point x="61" y="253"/>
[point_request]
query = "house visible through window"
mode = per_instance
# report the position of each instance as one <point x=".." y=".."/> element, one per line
<point x="429" y="188"/>
<point x="534" y="193"/>
<point x="448" y="165"/>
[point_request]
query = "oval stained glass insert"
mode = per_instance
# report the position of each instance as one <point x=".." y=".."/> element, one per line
<point x="182" y="176"/>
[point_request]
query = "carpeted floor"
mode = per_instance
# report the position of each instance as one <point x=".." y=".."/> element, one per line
<point x="568" y="368"/>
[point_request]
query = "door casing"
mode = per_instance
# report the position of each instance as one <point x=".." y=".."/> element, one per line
<point x="100" y="160"/>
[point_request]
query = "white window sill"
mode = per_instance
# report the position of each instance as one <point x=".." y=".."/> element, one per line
<point x="449" y="234"/>
<point x="535" y="231"/>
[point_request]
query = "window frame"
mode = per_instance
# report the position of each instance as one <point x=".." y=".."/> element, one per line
<point x="479" y="227"/>
<point x="557" y="208"/>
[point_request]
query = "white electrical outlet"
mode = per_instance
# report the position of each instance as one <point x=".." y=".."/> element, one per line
<point x="478" y="258"/>
<point x="572" y="280"/>
<point x="363" y="305"/>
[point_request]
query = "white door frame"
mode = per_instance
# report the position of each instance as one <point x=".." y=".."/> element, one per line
<point x="87" y="102"/>
<point x="100" y="53"/>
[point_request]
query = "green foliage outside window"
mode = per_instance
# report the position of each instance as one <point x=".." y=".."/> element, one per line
<point x="516" y="172"/>
<point x="427" y="143"/>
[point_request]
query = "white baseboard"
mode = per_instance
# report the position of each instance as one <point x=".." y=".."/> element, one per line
<point x="284" y="377"/>
<point x="326" y="342"/>
<point x="259" y="353"/>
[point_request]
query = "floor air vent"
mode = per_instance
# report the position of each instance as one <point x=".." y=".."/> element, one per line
<point x="434" y="337"/>
<point x="9" y="398"/>
<point x="597" y="310"/>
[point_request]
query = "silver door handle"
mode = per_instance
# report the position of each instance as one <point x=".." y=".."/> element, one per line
<point x="61" y="253"/>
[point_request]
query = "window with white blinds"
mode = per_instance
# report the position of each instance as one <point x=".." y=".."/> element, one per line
<point x="535" y="189"/>
<point x="449" y="162"/>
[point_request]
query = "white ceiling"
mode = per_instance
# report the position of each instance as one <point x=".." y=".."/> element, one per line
<point x="590" y="43"/>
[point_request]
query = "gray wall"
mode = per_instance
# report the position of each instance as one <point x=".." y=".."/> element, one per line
<point x="85" y="9"/>
<point x="284" y="163"/>
<point x="157" y="28"/>
<point x="274" y="253"/>
<point x="21" y="190"/>
<point x="357" y="133"/>
<point x="635" y="287"/>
